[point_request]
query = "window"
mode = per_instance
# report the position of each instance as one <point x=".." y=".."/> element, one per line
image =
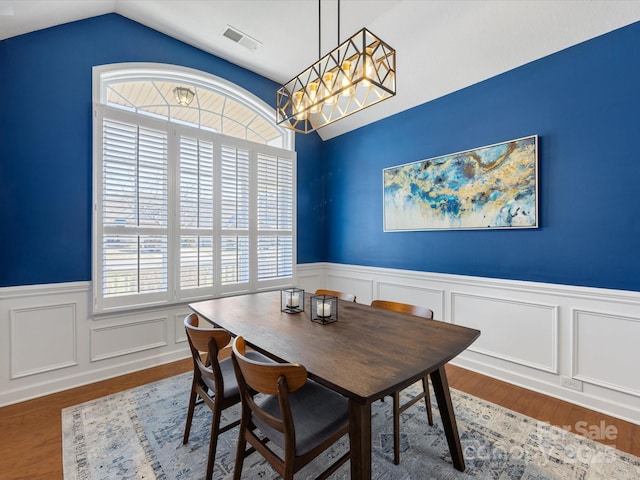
<point x="182" y="211"/>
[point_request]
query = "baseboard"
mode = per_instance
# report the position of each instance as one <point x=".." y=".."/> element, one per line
<point x="42" y="388"/>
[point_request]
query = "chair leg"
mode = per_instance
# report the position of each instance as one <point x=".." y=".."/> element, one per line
<point x="427" y="399"/>
<point x="289" y="461"/>
<point x="213" y="441"/>
<point x="240" y="454"/>
<point x="288" y="472"/>
<point x="396" y="428"/>
<point x="192" y="406"/>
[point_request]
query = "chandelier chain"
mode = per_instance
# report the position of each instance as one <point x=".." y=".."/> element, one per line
<point x="320" y="27"/>
<point x="338" y="23"/>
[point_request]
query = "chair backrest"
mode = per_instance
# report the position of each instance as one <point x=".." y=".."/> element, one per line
<point x="271" y="379"/>
<point x="349" y="297"/>
<point x="403" y="308"/>
<point x="201" y="337"/>
<point x="264" y="377"/>
<point x="273" y="414"/>
<point x="208" y="341"/>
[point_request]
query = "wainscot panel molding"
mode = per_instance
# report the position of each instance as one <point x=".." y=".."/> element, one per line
<point x="34" y="330"/>
<point x="310" y="275"/>
<point x="531" y="328"/>
<point x="591" y="363"/>
<point x="553" y="339"/>
<point x="432" y="298"/>
<point x="50" y="342"/>
<point x="360" y="287"/>
<point x="178" y="327"/>
<point x="127" y="337"/>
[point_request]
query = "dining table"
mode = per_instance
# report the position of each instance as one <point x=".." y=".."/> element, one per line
<point x="367" y="354"/>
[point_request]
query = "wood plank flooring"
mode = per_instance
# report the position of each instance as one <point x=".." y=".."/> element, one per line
<point x="31" y="432"/>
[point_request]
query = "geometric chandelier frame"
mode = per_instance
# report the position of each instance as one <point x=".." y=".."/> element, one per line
<point x="358" y="73"/>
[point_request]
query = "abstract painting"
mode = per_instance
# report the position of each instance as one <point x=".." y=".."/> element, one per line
<point x="488" y="187"/>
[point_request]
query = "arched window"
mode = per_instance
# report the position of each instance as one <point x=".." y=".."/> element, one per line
<point x="217" y="105"/>
<point x="191" y="200"/>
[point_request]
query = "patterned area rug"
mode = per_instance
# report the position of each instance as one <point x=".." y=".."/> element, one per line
<point x="137" y="434"/>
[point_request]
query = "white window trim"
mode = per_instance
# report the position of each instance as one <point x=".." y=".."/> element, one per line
<point x="141" y="71"/>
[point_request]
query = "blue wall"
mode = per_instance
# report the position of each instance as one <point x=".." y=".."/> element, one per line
<point x="46" y="136"/>
<point x="583" y="102"/>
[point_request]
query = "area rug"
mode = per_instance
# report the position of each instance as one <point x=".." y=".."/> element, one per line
<point x="137" y="434"/>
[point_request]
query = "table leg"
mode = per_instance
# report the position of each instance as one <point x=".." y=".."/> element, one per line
<point x="441" y="389"/>
<point x="360" y="440"/>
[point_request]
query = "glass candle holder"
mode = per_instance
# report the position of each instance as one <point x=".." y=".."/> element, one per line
<point x="292" y="300"/>
<point x="324" y="309"/>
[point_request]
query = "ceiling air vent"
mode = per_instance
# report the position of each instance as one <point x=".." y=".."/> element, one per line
<point x="243" y="39"/>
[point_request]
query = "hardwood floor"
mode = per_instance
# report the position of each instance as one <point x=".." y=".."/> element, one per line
<point x="31" y="432"/>
<point x="622" y="435"/>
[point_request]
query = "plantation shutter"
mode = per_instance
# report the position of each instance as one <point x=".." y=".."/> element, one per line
<point x="234" y="215"/>
<point x="196" y="167"/>
<point x="274" y="217"/>
<point x="134" y="209"/>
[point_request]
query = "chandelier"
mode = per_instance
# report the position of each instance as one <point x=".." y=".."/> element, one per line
<point x="358" y="73"/>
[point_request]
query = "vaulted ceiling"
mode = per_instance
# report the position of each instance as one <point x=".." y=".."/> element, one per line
<point x="442" y="45"/>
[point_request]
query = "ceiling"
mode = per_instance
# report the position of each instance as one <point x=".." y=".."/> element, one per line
<point x="442" y="45"/>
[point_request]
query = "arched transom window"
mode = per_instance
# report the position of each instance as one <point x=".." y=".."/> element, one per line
<point x="217" y="105"/>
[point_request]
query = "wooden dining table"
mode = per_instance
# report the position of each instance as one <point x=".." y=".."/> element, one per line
<point x="366" y="354"/>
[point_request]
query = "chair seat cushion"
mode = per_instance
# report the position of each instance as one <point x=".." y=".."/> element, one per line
<point x="318" y="413"/>
<point x="229" y="376"/>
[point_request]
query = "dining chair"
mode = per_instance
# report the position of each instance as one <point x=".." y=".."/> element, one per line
<point x="349" y="297"/>
<point x="397" y="407"/>
<point x="214" y="380"/>
<point x="298" y="415"/>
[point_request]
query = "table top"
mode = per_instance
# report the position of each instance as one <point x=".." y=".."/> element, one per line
<point x="367" y="354"/>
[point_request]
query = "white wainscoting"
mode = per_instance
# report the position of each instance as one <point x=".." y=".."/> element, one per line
<point x="123" y="338"/>
<point x="597" y="364"/>
<point x="531" y="328"/>
<point x="40" y="327"/>
<point x="50" y="342"/>
<point x="533" y="335"/>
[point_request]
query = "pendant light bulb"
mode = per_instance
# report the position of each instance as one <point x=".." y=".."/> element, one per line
<point x="345" y="84"/>
<point x="313" y="97"/>
<point x="327" y="88"/>
<point x="299" y="105"/>
<point x="368" y="67"/>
